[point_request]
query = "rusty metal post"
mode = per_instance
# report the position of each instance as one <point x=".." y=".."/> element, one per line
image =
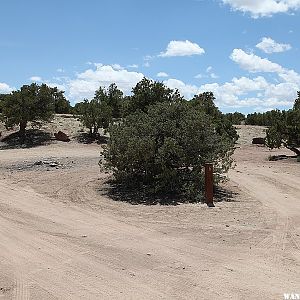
<point x="209" y="184"/>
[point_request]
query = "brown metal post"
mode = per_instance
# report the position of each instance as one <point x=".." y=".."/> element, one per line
<point x="209" y="185"/>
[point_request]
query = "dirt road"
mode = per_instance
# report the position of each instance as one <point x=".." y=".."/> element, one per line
<point x="62" y="239"/>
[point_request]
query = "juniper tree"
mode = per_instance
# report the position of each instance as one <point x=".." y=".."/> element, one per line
<point x="165" y="148"/>
<point x="32" y="103"/>
<point x="286" y="130"/>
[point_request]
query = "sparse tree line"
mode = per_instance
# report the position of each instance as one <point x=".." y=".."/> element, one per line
<point x="283" y="126"/>
<point x="285" y="130"/>
<point x="158" y="141"/>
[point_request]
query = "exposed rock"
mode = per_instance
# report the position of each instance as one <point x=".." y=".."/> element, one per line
<point x="258" y="141"/>
<point x="61" y="136"/>
<point x="48" y="163"/>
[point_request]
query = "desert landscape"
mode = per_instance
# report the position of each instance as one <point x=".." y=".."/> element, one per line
<point x="150" y="150"/>
<point x="63" y="237"/>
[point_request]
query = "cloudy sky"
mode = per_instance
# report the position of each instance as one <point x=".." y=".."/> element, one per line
<point x="246" y="52"/>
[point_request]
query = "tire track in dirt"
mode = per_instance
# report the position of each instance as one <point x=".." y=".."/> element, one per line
<point x="93" y="265"/>
<point x="280" y="239"/>
<point x="275" y="192"/>
<point x="71" y="242"/>
<point x="21" y="290"/>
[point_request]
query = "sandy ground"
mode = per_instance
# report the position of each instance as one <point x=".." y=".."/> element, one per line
<point x="62" y="238"/>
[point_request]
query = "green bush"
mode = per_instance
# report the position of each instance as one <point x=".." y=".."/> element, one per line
<point x="268" y="118"/>
<point x="164" y="149"/>
<point x="100" y="111"/>
<point x="286" y="131"/>
<point x="94" y="114"/>
<point x="61" y="104"/>
<point x="235" y="118"/>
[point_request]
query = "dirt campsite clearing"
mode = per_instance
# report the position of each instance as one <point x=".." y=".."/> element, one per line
<point x="62" y="237"/>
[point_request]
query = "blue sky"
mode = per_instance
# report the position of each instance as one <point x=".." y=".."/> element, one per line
<point x="246" y="52"/>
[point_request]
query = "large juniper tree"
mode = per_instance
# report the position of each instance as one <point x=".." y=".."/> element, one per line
<point x="163" y="145"/>
<point x="32" y="103"/>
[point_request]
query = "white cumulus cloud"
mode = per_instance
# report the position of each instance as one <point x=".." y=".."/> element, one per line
<point x="263" y="8"/>
<point x="182" y="48"/>
<point x="87" y="82"/>
<point x="253" y="91"/>
<point x="187" y="90"/>
<point x="269" y="46"/>
<point x="243" y="92"/>
<point x="254" y="63"/>
<point x="5" y="88"/>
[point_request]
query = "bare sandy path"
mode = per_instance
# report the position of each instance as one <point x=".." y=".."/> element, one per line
<point x="277" y="186"/>
<point x="61" y="239"/>
<point x="58" y="251"/>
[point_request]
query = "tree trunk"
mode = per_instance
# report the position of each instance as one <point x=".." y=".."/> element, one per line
<point x="23" y="125"/>
<point x="95" y="132"/>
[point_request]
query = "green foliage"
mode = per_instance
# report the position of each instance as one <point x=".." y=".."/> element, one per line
<point x="78" y="108"/>
<point x="268" y="118"/>
<point x="235" y="118"/>
<point x="148" y="92"/>
<point x="61" y="104"/>
<point x="286" y="131"/>
<point x="114" y="98"/>
<point x="32" y="103"/>
<point x="275" y="135"/>
<point x="205" y="102"/>
<point x="164" y="149"/>
<point x="96" y="113"/>
<point x="2" y="97"/>
<point x="293" y="128"/>
<point x="99" y="112"/>
<point x="297" y="102"/>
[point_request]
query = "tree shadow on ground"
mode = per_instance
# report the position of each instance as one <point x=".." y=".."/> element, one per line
<point x="281" y="157"/>
<point x="137" y="196"/>
<point x="33" y="138"/>
<point x="222" y="194"/>
<point x="86" y="138"/>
